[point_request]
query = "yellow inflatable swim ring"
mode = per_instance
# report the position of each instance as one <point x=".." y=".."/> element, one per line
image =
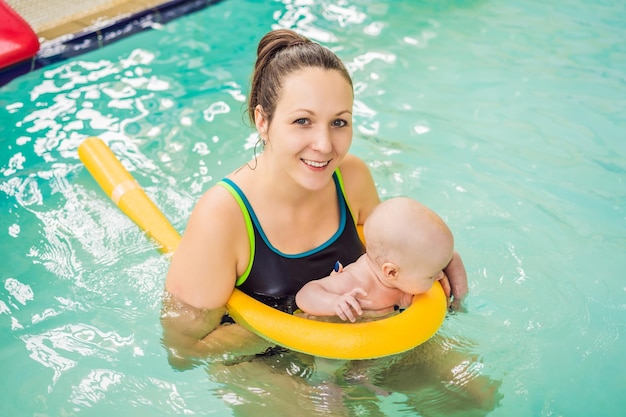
<point x="363" y="340"/>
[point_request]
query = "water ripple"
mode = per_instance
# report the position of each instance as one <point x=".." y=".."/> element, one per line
<point x="52" y="348"/>
<point x="94" y="387"/>
<point x="343" y="15"/>
<point x="19" y="291"/>
<point x="214" y="109"/>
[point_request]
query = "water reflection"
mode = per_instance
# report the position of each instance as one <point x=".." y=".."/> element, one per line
<point x="94" y="387"/>
<point x="52" y="348"/>
<point x="299" y="15"/>
<point x="214" y="109"/>
<point x="18" y="291"/>
<point x="435" y="379"/>
<point x="343" y="15"/>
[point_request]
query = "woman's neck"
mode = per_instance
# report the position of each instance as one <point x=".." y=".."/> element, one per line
<point x="295" y="219"/>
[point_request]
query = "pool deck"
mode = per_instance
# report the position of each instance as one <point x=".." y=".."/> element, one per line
<point x="53" y="19"/>
<point x="67" y="28"/>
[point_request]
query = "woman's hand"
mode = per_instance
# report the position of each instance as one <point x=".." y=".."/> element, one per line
<point x="184" y="327"/>
<point x="454" y="282"/>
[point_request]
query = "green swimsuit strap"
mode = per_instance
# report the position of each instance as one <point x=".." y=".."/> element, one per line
<point x="345" y="197"/>
<point x="246" y="216"/>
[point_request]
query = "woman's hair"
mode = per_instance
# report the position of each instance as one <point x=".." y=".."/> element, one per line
<point x="280" y="53"/>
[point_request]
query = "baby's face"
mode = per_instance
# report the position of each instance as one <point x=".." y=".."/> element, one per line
<point x="419" y="278"/>
<point x="417" y="284"/>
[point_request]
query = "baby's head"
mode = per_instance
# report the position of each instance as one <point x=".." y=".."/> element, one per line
<point x="409" y="242"/>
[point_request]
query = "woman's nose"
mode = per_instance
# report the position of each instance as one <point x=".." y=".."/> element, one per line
<point x="322" y="141"/>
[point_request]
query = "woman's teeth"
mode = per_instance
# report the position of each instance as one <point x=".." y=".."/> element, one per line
<point x="315" y="164"/>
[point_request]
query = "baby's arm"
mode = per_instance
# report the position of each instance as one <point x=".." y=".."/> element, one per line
<point x="333" y="295"/>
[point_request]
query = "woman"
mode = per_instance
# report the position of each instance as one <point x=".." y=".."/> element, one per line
<point x="304" y="195"/>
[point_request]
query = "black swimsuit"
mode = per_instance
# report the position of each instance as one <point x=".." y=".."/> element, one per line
<point x="273" y="277"/>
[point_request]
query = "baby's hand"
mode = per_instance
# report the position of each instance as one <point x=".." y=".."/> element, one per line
<point x="347" y="305"/>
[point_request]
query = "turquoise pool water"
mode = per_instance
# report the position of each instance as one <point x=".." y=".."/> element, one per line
<point x="508" y="118"/>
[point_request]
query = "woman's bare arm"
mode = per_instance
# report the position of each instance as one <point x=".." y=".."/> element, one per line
<point x="203" y="270"/>
<point x="202" y="275"/>
<point x="184" y="328"/>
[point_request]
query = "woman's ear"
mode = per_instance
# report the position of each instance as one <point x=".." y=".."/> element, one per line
<point x="390" y="270"/>
<point x="260" y="121"/>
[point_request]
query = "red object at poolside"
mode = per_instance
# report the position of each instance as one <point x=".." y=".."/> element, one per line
<point x="18" y="41"/>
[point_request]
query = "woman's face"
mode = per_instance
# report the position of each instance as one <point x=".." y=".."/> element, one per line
<point x="311" y="130"/>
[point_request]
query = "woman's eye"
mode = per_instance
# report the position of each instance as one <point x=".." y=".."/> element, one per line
<point x="302" y="121"/>
<point x="339" y="123"/>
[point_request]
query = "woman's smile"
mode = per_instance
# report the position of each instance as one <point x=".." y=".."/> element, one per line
<point x="315" y="164"/>
<point x="311" y="130"/>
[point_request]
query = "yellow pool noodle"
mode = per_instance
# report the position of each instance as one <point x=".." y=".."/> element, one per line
<point x="389" y="336"/>
<point x="126" y="193"/>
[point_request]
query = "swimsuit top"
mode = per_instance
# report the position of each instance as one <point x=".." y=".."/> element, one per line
<point x="273" y="277"/>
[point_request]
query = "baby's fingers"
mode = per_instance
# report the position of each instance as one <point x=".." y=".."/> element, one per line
<point x="344" y="312"/>
<point x="347" y="308"/>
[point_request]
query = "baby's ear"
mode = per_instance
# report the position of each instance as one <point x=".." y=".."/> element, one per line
<point x="390" y="270"/>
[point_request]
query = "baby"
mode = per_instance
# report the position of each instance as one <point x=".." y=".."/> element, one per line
<point x="407" y="248"/>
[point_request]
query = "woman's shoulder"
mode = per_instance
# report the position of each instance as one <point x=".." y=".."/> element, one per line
<point x="356" y="174"/>
<point x="217" y="212"/>
<point x="352" y="163"/>
<point x="217" y="200"/>
<point x="215" y="238"/>
<point x="359" y="186"/>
